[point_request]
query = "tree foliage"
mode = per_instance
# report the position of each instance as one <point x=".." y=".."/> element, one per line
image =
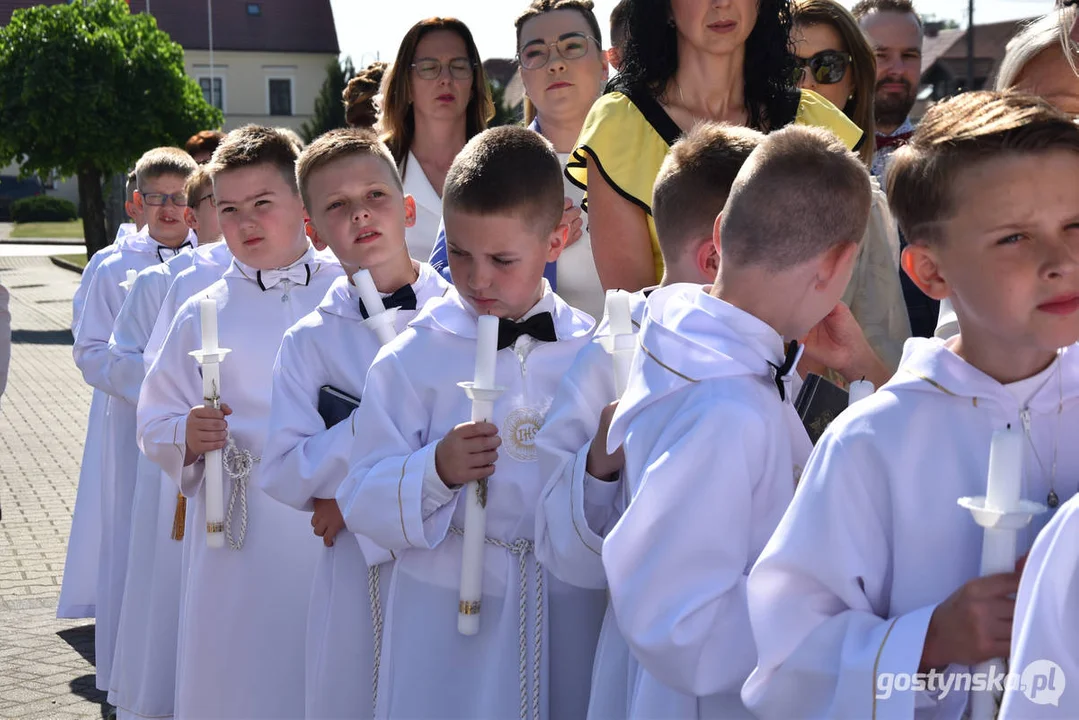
<point x="503" y="115"/>
<point x="87" y="87"/>
<point x="329" y="107"/>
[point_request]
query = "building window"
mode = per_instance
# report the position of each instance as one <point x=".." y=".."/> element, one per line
<point x="280" y="96"/>
<point x="254" y="9"/>
<point x="218" y="97"/>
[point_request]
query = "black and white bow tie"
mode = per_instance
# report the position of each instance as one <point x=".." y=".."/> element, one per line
<point x="297" y="275"/>
<point x="539" y="326"/>
<point x="403" y="297"/>
<point x="164" y="253"/>
<point x="782" y="372"/>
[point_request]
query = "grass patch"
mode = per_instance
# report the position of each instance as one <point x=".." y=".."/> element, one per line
<point x="65" y="230"/>
<point x="77" y="259"/>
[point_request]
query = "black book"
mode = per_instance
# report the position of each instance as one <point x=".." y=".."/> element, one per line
<point x="335" y="405"/>
<point x="818" y="404"/>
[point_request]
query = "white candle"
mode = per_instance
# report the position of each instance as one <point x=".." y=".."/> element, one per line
<point x="486" y="352"/>
<point x="618" y="316"/>
<point x="859" y="390"/>
<point x="475" y="530"/>
<point x="213" y="475"/>
<point x="208" y="313"/>
<point x="372" y="301"/>
<point x="1005" y="471"/>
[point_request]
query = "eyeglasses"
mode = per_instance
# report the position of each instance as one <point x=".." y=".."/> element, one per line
<point x="570" y="46"/>
<point x="827" y="67"/>
<point x="431" y="68"/>
<point x="157" y="199"/>
<point x="204" y="198"/>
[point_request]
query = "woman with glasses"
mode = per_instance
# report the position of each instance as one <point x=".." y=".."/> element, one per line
<point x="833" y="58"/>
<point x="564" y="68"/>
<point x="684" y="61"/>
<point x="436" y="99"/>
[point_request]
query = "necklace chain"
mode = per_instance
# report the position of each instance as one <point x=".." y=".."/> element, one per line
<point x="1052" y="500"/>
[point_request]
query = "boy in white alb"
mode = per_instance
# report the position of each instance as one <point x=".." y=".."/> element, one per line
<point x="352" y="193"/>
<point x="142" y="682"/>
<point x="240" y="651"/>
<point x="415" y="448"/>
<point x="160" y="177"/>
<point x="585" y="495"/>
<point x="873" y="575"/>
<point x="713" y="445"/>
<point x="79" y="588"/>
<point x="1045" y="638"/>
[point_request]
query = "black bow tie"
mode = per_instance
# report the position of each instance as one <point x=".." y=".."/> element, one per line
<point x="403" y="297"/>
<point x="173" y="252"/>
<point x="782" y="371"/>
<point x="539" y="326"/>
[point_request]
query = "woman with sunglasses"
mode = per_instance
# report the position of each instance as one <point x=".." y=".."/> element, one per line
<point x="684" y="61"/>
<point x="436" y="99"/>
<point x="834" y="59"/>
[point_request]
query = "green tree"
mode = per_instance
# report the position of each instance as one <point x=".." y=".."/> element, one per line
<point x="329" y="108"/>
<point x="503" y="114"/>
<point x="85" y="89"/>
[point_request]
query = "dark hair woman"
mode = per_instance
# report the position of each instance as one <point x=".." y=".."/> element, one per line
<point x="683" y="61"/>
<point x="436" y="98"/>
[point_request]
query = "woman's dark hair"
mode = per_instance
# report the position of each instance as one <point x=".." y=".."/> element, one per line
<point x="398" y="121"/>
<point x="359" y="95"/>
<point x="650" y="58"/>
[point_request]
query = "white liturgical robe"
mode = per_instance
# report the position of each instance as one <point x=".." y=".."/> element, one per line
<point x="576" y="510"/>
<point x="530" y="622"/>
<point x="842" y="597"/>
<point x="1046" y="628"/>
<point x="712" y="456"/>
<point x="304" y="459"/>
<point x="241" y="645"/>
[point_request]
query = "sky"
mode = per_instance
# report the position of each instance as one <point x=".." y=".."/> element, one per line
<point x="366" y="28"/>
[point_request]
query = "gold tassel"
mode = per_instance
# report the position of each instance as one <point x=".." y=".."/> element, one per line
<point x="180" y="518"/>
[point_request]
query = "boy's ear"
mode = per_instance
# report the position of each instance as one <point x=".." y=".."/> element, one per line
<point x="130" y="208"/>
<point x="140" y="206"/>
<point x="309" y="228"/>
<point x="558" y="238"/>
<point x="922" y="266"/>
<point x="837" y="260"/>
<point x="191" y="219"/>
<point x="410" y="211"/>
<point x="715" y="235"/>
<point x="707" y="261"/>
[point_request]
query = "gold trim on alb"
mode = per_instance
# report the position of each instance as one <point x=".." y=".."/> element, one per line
<point x="469" y="608"/>
<point x="215" y="527"/>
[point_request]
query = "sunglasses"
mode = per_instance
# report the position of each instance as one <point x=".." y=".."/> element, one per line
<point x="570" y="46"/>
<point x="431" y="68"/>
<point x="827" y="67"/>
<point x="158" y="199"/>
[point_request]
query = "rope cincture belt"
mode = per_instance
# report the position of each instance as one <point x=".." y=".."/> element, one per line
<point x="238" y="464"/>
<point x="521" y="548"/>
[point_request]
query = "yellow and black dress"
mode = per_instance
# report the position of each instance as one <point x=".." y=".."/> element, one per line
<point x="627" y="135"/>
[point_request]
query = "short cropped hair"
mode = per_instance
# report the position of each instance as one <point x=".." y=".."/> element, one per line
<point x="864" y="7"/>
<point x="198" y="183"/>
<point x="694" y="181"/>
<point x="162" y="161"/>
<point x="293" y="136"/>
<point x="800" y="193"/>
<point x="256" y="145"/>
<point x="204" y="141"/>
<point x="338" y="144"/>
<point x="507" y="169"/>
<point x="130" y="186"/>
<point x="957" y="134"/>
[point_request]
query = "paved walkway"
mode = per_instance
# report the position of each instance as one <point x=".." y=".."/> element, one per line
<point x="46" y="665"/>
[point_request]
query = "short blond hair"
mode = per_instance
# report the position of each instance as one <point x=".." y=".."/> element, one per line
<point x="162" y="161"/>
<point x="800" y="194"/>
<point x="253" y="145"/>
<point x="338" y="144"/>
<point x="198" y="182"/>
<point x="694" y="181"/>
<point x="957" y="134"/>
